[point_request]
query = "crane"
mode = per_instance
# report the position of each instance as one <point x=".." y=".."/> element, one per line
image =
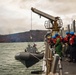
<point x="55" y="21"/>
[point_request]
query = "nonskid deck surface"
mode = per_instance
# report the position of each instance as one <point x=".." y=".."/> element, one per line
<point x="69" y="68"/>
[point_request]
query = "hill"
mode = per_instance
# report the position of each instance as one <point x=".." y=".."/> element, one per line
<point x="37" y="35"/>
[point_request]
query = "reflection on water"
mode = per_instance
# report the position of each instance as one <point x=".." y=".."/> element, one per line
<point x="10" y="66"/>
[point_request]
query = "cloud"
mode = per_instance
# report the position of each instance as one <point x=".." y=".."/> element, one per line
<point x="15" y="15"/>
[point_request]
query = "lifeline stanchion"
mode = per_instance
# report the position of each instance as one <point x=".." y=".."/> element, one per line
<point x="55" y="63"/>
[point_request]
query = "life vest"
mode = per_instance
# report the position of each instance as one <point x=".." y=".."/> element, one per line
<point x="54" y="40"/>
<point x="59" y="37"/>
<point x="75" y="40"/>
<point x="72" y="40"/>
<point x="67" y="38"/>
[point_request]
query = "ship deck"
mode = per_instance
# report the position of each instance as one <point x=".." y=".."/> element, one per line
<point x="69" y="68"/>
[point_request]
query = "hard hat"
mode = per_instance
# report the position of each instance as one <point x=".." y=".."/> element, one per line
<point x="67" y="32"/>
<point x="56" y="34"/>
<point x="47" y="34"/>
<point x="54" y="37"/>
<point x="48" y="37"/>
<point x="72" y="33"/>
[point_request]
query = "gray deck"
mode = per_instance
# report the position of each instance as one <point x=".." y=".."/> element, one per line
<point x="69" y="68"/>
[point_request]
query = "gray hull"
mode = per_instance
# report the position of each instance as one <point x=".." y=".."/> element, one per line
<point x="29" y="59"/>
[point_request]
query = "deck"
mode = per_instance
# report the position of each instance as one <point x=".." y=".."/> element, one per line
<point x="69" y="68"/>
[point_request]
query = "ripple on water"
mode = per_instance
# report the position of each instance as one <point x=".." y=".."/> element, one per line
<point x="8" y="64"/>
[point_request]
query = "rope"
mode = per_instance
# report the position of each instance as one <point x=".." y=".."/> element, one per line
<point x="34" y="56"/>
<point x="31" y="39"/>
<point x="41" y="50"/>
<point x="41" y="46"/>
<point x="31" y="20"/>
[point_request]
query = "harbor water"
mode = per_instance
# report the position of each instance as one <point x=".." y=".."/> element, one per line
<point x="10" y="66"/>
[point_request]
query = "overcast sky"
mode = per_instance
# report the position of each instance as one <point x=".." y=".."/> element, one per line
<point x="15" y="15"/>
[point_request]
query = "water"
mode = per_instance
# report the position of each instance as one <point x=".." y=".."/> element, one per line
<point x="10" y="66"/>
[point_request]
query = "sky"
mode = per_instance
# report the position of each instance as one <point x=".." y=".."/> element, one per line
<point x="16" y="15"/>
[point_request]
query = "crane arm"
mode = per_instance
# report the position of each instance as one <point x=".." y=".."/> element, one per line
<point x="43" y="14"/>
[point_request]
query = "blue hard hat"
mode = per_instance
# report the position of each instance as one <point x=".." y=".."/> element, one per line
<point x="54" y="37"/>
<point x="72" y="33"/>
<point x="56" y="34"/>
<point x="67" y="32"/>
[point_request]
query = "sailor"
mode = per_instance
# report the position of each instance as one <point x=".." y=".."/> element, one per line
<point x="53" y="40"/>
<point x="67" y="44"/>
<point x="28" y="48"/>
<point x="35" y="48"/>
<point x="58" y="36"/>
<point x="58" y="45"/>
<point x="72" y="47"/>
<point x="67" y="37"/>
<point x="48" y="39"/>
